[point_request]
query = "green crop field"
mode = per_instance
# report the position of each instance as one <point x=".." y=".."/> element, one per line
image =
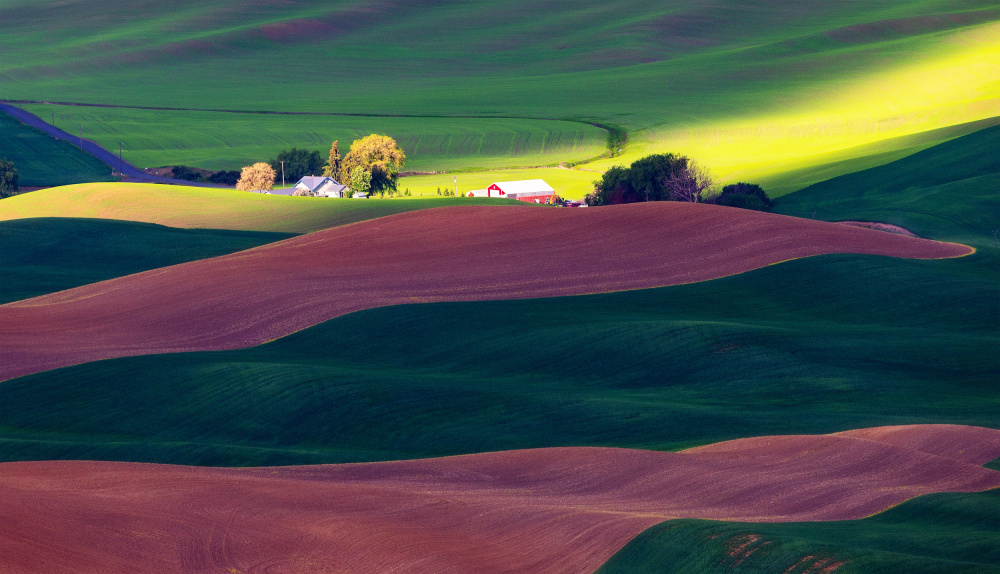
<point x="43" y="161"/>
<point x="752" y="89"/>
<point x="42" y="256"/>
<point x="946" y="533"/>
<point x="230" y="141"/>
<point x="209" y="208"/>
<point x="950" y="190"/>
<point x="791" y="348"/>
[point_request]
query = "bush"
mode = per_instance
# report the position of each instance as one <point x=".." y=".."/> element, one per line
<point x="225" y="177"/>
<point x="9" y="184"/>
<point x="186" y="173"/>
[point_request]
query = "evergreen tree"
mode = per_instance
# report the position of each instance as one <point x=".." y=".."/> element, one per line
<point x="333" y="165"/>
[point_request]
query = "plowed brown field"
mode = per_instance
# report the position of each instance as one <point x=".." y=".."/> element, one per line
<point x="447" y="254"/>
<point x="548" y="510"/>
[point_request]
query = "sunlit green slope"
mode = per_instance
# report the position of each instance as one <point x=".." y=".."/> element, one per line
<point x="752" y="88"/>
<point x="952" y="189"/>
<point x="210" y="208"/>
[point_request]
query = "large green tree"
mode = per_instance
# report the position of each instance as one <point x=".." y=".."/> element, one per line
<point x="380" y="156"/>
<point x="8" y="178"/>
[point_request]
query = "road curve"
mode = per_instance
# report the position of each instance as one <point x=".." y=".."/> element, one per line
<point x="110" y="159"/>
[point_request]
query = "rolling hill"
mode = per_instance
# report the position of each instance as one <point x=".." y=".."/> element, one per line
<point x="950" y="190"/>
<point x="749" y="88"/>
<point x="933" y="534"/>
<point x="449" y="254"/>
<point x="561" y="510"/>
<point x="206" y="208"/>
<point x="42" y="256"/>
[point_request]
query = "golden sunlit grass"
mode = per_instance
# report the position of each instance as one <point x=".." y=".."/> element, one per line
<point x="957" y="82"/>
<point x="208" y="208"/>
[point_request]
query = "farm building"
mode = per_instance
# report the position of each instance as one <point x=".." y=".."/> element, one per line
<point x="533" y="190"/>
<point x="318" y="186"/>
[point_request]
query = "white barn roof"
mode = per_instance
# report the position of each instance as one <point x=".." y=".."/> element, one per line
<point x="525" y="186"/>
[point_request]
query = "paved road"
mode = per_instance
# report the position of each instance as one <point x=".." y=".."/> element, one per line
<point x="134" y="174"/>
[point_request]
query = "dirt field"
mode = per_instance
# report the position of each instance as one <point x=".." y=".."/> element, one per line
<point x="447" y="254"/>
<point x="548" y="510"/>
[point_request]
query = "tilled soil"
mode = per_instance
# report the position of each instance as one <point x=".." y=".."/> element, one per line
<point x="556" y="510"/>
<point x="446" y="254"/>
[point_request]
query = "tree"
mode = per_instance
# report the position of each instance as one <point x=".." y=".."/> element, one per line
<point x="611" y="188"/>
<point x="690" y="184"/>
<point x="648" y="176"/>
<point x="257" y="177"/>
<point x="8" y="178"/>
<point x="745" y="196"/>
<point x="361" y="181"/>
<point x="298" y="163"/>
<point x="333" y="165"/>
<point x="380" y="156"/>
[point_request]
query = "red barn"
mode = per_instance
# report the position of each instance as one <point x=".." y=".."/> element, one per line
<point x="533" y="190"/>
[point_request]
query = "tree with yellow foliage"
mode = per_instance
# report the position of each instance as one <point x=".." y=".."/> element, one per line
<point x="380" y="156"/>
<point x="257" y="177"/>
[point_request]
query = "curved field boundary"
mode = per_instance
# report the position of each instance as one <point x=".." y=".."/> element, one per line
<point x="547" y="510"/>
<point x="447" y="254"/>
<point x="108" y="158"/>
<point x="190" y="207"/>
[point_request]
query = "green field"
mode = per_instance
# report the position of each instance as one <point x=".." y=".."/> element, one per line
<point x="43" y="161"/>
<point x="948" y="190"/>
<point x="750" y="89"/>
<point x="231" y="141"/>
<point x="946" y="533"/>
<point x="209" y="208"/>
<point x="786" y="349"/>
<point x="42" y="256"/>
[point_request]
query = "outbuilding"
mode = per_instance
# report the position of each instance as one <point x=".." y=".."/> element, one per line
<point x="533" y="190"/>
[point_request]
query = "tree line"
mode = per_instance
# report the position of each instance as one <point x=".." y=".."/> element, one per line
<point x="671" y="177"/>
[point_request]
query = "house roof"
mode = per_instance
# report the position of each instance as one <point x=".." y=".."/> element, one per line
<point x="525" y="186"/>
<point x="313" y="182"/>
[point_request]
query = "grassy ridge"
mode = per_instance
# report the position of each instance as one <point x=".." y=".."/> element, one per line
<point x="43" y="161"/>
<point x="197" y="207"/>
<point x="46" y="255"/>
<point x="949" y="190"/>
<point x="742" y="85"/>
<point x="785" y="349"/>
<point x="938" y="533"/>
<point x="230" y="141"/>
